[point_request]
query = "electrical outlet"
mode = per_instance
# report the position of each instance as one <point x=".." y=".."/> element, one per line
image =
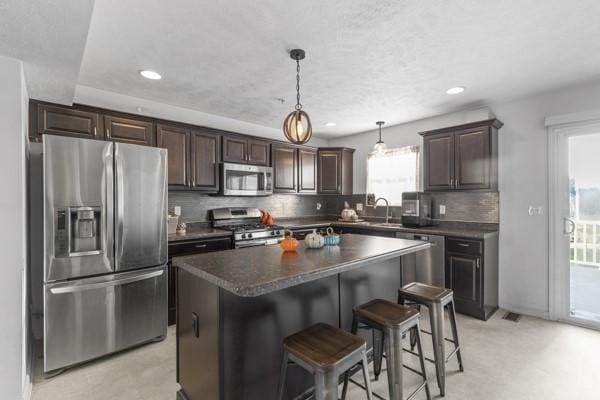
<point x="359" y="206"/>
<point x="177" y="210"/>
<point x="442" y="209"/>
<point x="319" y="206"/>
<point x="535" y="210"/>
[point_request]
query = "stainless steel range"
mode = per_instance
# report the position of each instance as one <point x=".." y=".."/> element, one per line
<point x="245" y="224"/>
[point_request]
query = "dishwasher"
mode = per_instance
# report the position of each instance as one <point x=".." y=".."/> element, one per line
<point x="427" y="266"/>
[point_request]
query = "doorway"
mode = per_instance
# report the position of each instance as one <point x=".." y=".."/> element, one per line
<point x="575" y="223"/>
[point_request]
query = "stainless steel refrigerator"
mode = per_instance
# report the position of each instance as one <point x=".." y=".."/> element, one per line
<point x="105" y="245"/>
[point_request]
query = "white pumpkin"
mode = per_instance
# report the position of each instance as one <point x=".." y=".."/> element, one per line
<point x="314" y="240"/>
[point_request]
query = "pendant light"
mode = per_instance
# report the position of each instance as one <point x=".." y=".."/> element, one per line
<point x="297" y="127"/>
<point x="380" y="147"/>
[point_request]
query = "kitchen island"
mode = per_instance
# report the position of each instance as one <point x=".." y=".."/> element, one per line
<point x="236" y="306"/>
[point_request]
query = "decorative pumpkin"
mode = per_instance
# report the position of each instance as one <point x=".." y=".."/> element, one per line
<point x="332" y="238"/>
<point x="314" y="240"/>
<point x="289" y="243"/>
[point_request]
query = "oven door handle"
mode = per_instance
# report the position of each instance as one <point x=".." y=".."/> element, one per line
<point x="251" y="244"/>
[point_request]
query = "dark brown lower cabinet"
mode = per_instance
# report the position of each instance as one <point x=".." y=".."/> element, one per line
<point x="186" y="248"/>
<point x="472" y="274"/>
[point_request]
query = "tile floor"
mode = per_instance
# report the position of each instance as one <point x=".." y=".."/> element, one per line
<point x="529" y="360"/>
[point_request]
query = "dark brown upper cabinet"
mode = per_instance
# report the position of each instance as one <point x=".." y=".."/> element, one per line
<point x="129" y="130"/>
<point x="307" y="170"/>
<point x="177" y="141"/>
<point x="66" y="121"/>
<point x="463" y="157"/>
<point x="240" y="149"/>
<point x="335" y="170"/>
<point x="259" y="152"/>
<point x="205" y="158"/>
<point x="285" y="168"/>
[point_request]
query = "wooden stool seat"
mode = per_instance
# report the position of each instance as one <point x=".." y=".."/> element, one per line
<point x="422" y="293"/>
<point x="322" y="346"/>
<point x="386" y="313"/>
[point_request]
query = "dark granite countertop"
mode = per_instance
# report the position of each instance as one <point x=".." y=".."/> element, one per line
<point x="198" y="232"/>
<point x="255" y="271"/>
<point x="457" y="229"/>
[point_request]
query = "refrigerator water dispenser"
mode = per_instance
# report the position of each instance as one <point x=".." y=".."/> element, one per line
<point x="78" y="231"/>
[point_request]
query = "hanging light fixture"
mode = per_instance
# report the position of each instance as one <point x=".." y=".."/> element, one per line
<point x="297" y="127"/>
<point x="380" y="147"/>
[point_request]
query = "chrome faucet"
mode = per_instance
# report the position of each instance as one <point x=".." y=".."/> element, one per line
<point x="387" y="208"/>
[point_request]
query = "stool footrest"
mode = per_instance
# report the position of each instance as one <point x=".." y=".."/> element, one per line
<point x="429" y="333"/>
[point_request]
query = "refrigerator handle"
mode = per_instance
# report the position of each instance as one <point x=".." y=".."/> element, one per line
<point x="101" y="285"/>
<point x="120" y="205"/>
<point x="108" y="231"/>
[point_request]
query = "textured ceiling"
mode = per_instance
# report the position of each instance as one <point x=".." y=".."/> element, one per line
<point x="49" y="37"/>
<point x="366" y="60"/>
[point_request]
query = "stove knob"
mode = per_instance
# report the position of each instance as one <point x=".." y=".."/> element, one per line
<point x="278" y="232"/>
<point x="243" y="236"/>
<point x="249" y="235"/>
<point x="272" y="233"/>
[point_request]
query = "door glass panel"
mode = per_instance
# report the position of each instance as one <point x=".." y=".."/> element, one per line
<point x="584" y="206"/>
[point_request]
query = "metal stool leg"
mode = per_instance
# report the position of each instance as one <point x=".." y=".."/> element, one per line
<point x="378" y="343"/>
<point x="354" y="330"/>
<point x="326" y="385"/>
<point x="417" y="330"/>
<point x="365" y="368"/>
<point x="282" y="376"/>
<point x="393" y="349"/>
<point x="436" y="316"/>
<point x="452" y="314"/>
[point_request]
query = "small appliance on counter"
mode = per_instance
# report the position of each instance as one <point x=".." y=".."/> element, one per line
<point x="416" y="209"/>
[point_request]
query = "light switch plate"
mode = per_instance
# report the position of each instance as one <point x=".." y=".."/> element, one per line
<point x="359" y="206"/>
<point x="177" y="210"/>
<point x="442" y="209"/>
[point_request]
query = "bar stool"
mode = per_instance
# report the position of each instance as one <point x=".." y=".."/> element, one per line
<point x="436" y="299"/>
<point x="393" y="321"/>
<point x="326" y="352"/>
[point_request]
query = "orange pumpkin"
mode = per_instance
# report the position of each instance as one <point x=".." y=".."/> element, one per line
<point x="289" y="243"/>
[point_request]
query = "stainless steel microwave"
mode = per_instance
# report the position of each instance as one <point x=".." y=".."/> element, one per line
<point x="246" y="180"/>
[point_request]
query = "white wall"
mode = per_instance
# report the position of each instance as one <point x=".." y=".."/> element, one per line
<point x="523" y="181"/>
<point x="14" y="353"/>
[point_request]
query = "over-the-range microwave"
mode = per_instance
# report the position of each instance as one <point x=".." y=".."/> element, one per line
<point x="246" y="180"/>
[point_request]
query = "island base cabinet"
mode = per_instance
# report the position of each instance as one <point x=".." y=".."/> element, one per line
<point x="231" y="347"/>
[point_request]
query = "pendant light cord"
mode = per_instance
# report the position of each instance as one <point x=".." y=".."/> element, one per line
<point x="298" y="105"/>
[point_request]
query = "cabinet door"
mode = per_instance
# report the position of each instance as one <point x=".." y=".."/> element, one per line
<point x="307" y="171"/>
<point x="205" y="161"/>
<point x="55" y="120"/>
<point x="285" y="168"/>
<point x="463" y="276"/>
<point x="177" y="141"/>
<point x="472" y="154"/>
<point x="259" y="152"/>
<point x="330" y="177"/>
<point x="439" y="161"/>
<point x="129" y="130"/>
<point x="235" y="149"/>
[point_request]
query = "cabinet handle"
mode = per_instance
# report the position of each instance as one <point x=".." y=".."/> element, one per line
<point x="463" y="245"/>
<point x="478" y="263"/>
<point x="95" y="132"/>
<point x="201" y="246"/>
<point x="108" y="133"/>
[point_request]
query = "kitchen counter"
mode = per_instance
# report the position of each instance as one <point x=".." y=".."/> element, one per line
<point x="456" y="229"/>
<point x="259" y="270"/>
<point x="200" y="232"/>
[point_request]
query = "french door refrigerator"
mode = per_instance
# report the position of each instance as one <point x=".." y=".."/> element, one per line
<point x="105" y="245"/>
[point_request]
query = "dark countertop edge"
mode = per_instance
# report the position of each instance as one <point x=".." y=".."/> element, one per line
<point x="258" y="290"/>
<point x="197" y="235"/>
<point x="466" y="232"/>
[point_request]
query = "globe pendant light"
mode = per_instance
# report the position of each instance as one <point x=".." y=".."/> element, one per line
<point x="380" y="147"/>
<point x="297" y="127"/>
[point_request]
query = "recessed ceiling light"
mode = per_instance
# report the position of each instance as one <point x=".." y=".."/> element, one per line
<point x="455" y="90"/>
<point x="146" y="73"/>
<point x="330" y="124"/>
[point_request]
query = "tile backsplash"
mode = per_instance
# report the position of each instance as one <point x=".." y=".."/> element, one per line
<point x="195" y="206"/>
<point x="460" y="206"/>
